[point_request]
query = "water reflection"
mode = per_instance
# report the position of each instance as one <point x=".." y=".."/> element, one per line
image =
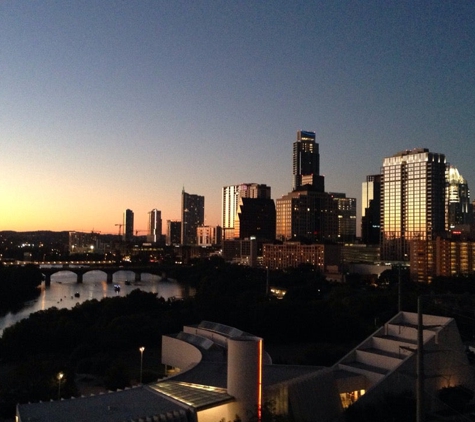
<point x="64" y="292"/>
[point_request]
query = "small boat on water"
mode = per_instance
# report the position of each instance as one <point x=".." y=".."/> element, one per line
<point x="76" y="294"/>
<point x="127" y="283"/>
<point x="117" y="288"/>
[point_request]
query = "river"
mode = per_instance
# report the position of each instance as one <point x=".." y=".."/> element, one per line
<point x="64" y="292"/>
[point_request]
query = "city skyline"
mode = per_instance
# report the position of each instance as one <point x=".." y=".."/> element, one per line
<point x="116" y="106"/>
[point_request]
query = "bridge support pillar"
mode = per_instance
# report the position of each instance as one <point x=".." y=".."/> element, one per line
<point x="79" y="278"/>
<point x="47" y="280"/>
<point x="109" y="278"/>
<point x="138" y="276"/>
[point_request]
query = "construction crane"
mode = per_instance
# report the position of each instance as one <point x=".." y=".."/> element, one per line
<point x="120" y="230"/>
<point x="137" y="234"/>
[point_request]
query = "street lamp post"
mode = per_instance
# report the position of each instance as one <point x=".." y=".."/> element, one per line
<point x="60" y="378"/>
<point x="141" y="362"/>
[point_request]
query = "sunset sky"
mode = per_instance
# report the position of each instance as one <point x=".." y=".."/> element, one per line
<point x="108" y="105"/>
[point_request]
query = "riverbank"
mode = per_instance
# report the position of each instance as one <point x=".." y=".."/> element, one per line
<point x="65" y="293"/>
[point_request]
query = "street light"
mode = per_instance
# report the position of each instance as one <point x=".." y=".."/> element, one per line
<point x="141" y="362"/>
<point x="60" y="378"/>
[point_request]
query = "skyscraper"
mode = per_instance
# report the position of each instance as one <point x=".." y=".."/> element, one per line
<point x="230" y="202"/>
<point x="307" y="213"/>
<point x="154" y="225"/>
<point x="306" y="162"/>
<point x="412" y="200"/>
<point x="371" y="210"/>
<point x="128" y="225"/>
<point x="192" y="216"/>
<point x="459" y="208"/>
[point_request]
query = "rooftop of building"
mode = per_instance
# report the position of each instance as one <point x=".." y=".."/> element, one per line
<point x="126" y="405"/>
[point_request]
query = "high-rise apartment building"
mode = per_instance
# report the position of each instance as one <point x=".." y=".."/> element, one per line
<point x="306" y="162"/>
<point x="128" y="225"/>
<point x="192" y="216"/>
<point x="154" y="225"/>
<point x="371" y="210"/>
<point x="173" y="235"/>
<point x="230" y="202"/>
<point x="412" y="200"/>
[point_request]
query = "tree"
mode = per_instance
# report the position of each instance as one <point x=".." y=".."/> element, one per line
<point x="456" y="397"/>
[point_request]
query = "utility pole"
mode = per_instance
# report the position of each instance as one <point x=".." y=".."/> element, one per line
<point x="420" y="363"/>
<point x="399" y="289"/>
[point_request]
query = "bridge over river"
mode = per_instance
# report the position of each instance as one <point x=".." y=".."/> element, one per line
<point x="109" y="270"/>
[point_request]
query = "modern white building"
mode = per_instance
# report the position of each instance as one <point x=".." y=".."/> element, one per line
<point x="217" y="372"/>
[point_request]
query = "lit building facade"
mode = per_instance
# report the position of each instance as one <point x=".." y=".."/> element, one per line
<point x="128" y="225"/>
<point x="371" y="210"/>
<point x="306" y="162"/>
<point x="231" y="196"/>
<point x="206" y="235"/>
<point x="293" y="254"/>
<point x="82" y="243"/>
<point x="306" y="215"/>
<point x="412" y="200"/>
<point x="459" y="210"/>
<point x="192" y="216"/>
<point x="154" y="225"/>
<point x="441" y="257"/>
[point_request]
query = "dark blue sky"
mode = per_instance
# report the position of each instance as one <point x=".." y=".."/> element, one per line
<point x="119" y="104"/>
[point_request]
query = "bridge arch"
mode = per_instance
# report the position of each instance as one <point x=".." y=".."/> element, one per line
<point x="108" y="271"/>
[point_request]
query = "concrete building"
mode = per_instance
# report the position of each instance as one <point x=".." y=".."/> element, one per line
<point x="217" y="372"/>
<point x="192" y="216"/>
<point x="206" y="236"/>
<point x="412" y="200"/>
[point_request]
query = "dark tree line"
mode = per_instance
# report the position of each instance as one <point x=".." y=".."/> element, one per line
<point x="18" y="284"/>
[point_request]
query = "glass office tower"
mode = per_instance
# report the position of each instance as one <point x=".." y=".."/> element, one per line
<point x="306" y="162"/>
